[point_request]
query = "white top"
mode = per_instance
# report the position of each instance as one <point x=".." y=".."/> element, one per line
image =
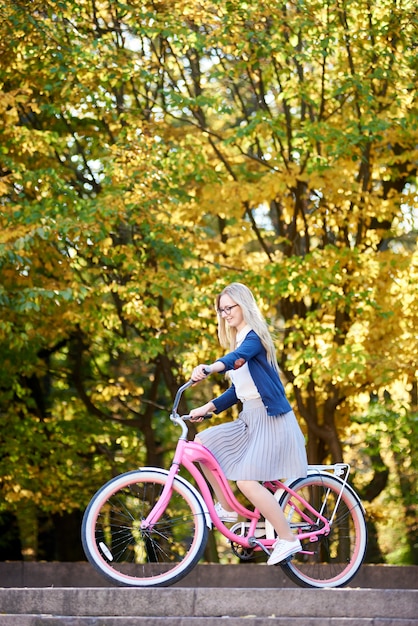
<point x="242" y="379"/>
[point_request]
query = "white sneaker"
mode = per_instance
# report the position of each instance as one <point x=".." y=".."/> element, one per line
<point x="225" y="516"/>
<point x="282" y="549"/>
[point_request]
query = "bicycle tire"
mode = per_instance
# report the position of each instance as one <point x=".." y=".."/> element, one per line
<point x="126" y="555"/>
<point x="336" y="558"/>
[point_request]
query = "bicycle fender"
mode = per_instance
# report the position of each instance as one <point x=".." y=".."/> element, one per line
<point x="186" y="483"/>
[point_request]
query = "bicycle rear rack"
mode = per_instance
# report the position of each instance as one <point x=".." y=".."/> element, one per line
<point x="340" y="471"/>
<point x="337" y="469"/>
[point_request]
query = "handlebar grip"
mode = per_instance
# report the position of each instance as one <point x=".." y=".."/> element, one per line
<point x="207" y="416"/>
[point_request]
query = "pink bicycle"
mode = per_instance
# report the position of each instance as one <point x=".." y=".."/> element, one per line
<point x="149" y="527"/>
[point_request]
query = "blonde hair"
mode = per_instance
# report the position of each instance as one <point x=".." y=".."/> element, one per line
<point x="252" y="316"/>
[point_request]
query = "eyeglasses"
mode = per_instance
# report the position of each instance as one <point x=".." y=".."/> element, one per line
<point x="227" y="310"/>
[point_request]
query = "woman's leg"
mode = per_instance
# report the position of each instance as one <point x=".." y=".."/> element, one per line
<point x="268" y="506"/>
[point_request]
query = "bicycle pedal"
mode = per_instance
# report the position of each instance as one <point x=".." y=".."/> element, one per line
<point x="254" y="542"/>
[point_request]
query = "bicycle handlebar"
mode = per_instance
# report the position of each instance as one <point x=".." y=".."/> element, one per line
<point x="183" y="388"/>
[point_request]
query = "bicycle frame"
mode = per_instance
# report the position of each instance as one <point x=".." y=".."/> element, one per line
<point x="188" y="454"/>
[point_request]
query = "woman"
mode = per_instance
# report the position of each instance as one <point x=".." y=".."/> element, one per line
<point x="265" y="442"/>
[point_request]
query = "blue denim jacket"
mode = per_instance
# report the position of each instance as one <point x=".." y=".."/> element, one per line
<point x="265" y="377"/>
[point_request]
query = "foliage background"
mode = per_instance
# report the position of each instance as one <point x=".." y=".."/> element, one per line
<point x="150" y="153"/>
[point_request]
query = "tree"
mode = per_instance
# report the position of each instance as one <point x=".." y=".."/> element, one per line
<point x="152" y="151"/>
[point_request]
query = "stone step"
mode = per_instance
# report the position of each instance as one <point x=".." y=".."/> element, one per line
<point x="48" y="620"/>
<point x="207" y="606"/>
<point x="82" y="574"/>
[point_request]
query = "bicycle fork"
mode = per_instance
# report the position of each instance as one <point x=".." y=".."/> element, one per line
<point x="158" y="509"/>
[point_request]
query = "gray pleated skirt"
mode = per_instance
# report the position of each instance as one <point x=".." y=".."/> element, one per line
<point x="257" y="446"/>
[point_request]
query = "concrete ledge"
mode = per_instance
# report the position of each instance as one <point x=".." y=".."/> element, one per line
<point x="170" y="602"/>
<point x="82" y="574"/>
<point x="52" y="620"/>
<point x="56" y="620"/>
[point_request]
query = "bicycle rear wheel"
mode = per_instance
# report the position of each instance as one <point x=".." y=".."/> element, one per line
<point x="124" y="553"/>
<point x="333" y="560"/>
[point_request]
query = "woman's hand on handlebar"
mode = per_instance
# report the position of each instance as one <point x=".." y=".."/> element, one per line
<point x="200" y="372"/>
<point x="198" y="414"/>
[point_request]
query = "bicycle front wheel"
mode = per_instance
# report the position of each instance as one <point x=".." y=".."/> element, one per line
<point x="334" y="559"/>
<point x="123" y="552"/>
